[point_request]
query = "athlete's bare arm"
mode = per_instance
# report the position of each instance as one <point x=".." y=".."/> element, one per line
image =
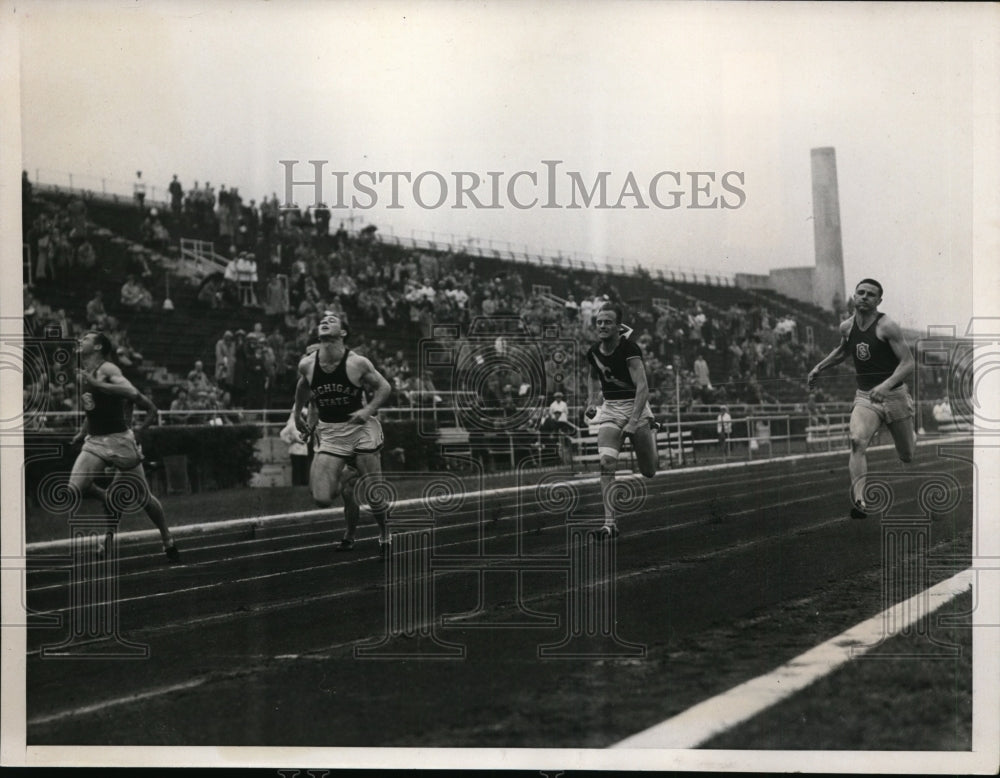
<point x="302" y="396"/>
<point x="152" y="414"/>
<point x="82" y="433"/>
<point x="835" y="357"/>
<point x="890" y="332"/>
<point x="375" y="385"/>
<point x="594" y="393"/>
<point x="638" y="373"/>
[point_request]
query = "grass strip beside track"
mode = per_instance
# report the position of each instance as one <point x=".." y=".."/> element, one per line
<point x="885" y="684"/>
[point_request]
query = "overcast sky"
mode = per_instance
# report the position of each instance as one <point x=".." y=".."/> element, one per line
<point x="222" y="91"/>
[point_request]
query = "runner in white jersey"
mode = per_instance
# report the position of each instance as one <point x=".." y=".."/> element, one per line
<point x="335" y="379"/>
<point x="617" y="373"/>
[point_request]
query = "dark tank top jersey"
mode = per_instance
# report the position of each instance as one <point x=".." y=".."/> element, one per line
<point x="106" y="413"/>
<point x="612" y="369"/>
<point x="874" y="359"/>
<point x="335" y="396"/>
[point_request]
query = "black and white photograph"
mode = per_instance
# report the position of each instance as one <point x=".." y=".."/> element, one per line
<point x="507" y="385"/>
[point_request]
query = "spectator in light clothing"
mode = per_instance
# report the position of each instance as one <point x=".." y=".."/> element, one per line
<point x="197" y="379"/>
<point x="225" y="356"/>
<point x="558" y="405"/>
<point x="572" y="308"/>
<point x="942" y="411"/>
<point x="298" y="451"/>
<point x="139" y="189"/>
<point x="246" y="274"/>
<point x="724" y="427"/>
<point x="701" y="375"/>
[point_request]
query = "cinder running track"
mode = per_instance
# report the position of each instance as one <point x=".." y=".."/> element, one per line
<point x="253" y="640"/>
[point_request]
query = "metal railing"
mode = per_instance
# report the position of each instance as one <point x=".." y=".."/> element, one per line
<point x="577" y="260"/>
<point x="754" y="436"/>
<point x="99" y="186"/>
<point x="202" y="253"/>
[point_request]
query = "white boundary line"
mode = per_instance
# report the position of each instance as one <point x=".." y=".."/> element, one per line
<point x="105" y="704"/>
<point x="257" y="521"/>
<point x="725" y="711"/>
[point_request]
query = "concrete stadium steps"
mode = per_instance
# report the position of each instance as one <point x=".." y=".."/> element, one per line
<point x="176" y="339"/>
<point x="120" y="215"/>
<point x="787" y="390"/>
<point x="809" y="309"/>
<point x="721" y="297"/>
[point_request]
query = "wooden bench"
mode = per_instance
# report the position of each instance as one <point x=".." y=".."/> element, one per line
<point x="454" y="443"/>
<point x="668" y="444"/>
<point x="678" y="448"/>
<point x="824" y="436"/>
<point x="954" y="426"/>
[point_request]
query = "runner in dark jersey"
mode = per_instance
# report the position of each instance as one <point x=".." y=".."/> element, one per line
<point x="108" y="440"/>
<point x="335" y="379"/>
<point x="333" y="393"/>
<point x="348" y="477"/>
<point x="882" y="363"/>
<point x="617" y="374"/>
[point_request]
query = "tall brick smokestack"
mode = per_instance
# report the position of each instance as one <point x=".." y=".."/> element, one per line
<point x="828" y="281"/>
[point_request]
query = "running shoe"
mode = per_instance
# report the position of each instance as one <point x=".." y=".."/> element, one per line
<point x="103" y="545"/>
<point x="173" y="555"/>
<point x="346" y="544"/>
<point x="606" y="532"/>
<point x="858" y="510"/>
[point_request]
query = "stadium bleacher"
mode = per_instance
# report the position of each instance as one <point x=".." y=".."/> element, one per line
<point x="171" y="340"/>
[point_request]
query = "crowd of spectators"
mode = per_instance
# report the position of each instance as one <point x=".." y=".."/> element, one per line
<point x="58" y="243"/>
<point x="287" y="267"/>
<point x="389" y="290"/>
<point x="201" y="400"/>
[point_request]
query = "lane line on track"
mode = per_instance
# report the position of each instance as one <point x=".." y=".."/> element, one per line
<point x="453" y="620"/>
<point x="256" y="521"/>
<point x="594" y="501"/>
<point x="718" y="714"/>
<point x="590" y="503"/>
<point x="312" y="568"/>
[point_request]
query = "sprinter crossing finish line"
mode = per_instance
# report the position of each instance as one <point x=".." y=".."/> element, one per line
<point x="348" y="433"/>
<point x="617" y="373"/>
<point x="882" y="362"/>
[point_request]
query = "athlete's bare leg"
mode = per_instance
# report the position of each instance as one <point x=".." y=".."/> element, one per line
<point x="352" y="509"/>
<point x="864" y="424"/>
<point x="903" y="437"/>
<point x="86" y="468"/>
<point x="644" y="444"/>
<point x="325" y="477"/>
<point x="145" y="499"/>
<point x="609" y="442"/>
<point x="370" y="465"/>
